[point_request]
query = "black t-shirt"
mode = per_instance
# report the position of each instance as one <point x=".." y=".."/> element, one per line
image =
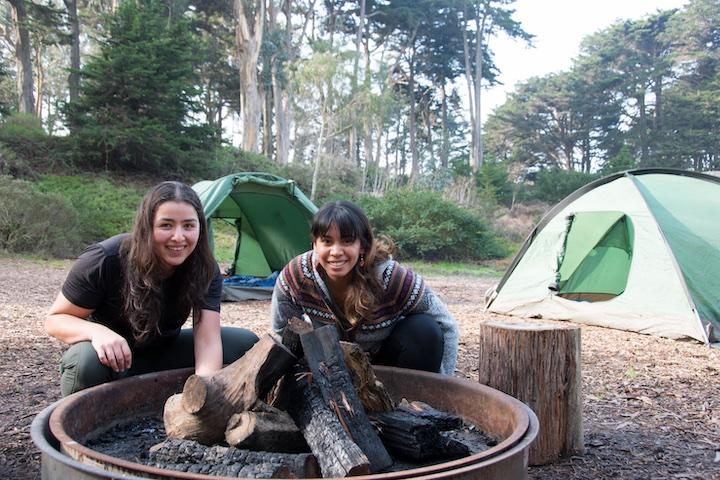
<point x="95" y="282"/>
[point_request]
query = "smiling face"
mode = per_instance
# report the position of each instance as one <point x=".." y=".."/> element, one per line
<point x="336" y="255"/>
<point x="176" y="230"/>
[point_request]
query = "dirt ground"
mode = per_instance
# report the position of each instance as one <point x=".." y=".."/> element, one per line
<point x="651" y="406"/>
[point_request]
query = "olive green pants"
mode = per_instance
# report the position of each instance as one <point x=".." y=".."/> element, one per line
<point x="80" y="367"/>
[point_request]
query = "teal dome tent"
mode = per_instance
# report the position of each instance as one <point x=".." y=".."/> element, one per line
<point x="637" y="250"/>
<point x="271" y="216"/>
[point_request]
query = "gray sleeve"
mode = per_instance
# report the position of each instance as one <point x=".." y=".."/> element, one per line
<point x="434" y="307"/>
<point x="282" y="309"/>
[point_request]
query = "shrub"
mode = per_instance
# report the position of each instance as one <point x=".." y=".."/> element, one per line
<point x="36" y="222"/>
<point x="103" y="208"/>
<point x="424" y="226"/>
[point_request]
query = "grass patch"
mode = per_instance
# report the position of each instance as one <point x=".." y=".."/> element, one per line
<point x="452" y="268"/>
<point x="224" y="236"/>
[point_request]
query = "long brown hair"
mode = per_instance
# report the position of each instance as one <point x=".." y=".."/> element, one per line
<point x="365" y="290"/>
<point x="142" y="289"/>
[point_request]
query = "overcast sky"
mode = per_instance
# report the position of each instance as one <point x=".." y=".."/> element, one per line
<point x="559" y="26"/>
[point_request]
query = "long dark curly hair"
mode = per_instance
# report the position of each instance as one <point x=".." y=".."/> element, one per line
<point x="365" y="290"/>
<point x="142" y="290"/>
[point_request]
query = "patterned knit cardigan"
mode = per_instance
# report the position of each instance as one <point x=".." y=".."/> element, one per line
<point x="300" y="290"/>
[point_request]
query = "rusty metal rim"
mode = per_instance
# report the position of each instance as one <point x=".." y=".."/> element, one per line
<point x="523" y="433"/>
<point x="49" y="446"/>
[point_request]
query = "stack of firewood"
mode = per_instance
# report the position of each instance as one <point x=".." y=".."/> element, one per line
<point x="306" y="392"/>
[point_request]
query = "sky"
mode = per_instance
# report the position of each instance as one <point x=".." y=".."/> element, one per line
<point x="559" y="27"/>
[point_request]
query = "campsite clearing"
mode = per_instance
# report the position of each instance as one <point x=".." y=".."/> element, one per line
<point x="651" y="406"/>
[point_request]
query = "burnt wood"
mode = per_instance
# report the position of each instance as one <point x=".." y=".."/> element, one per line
<point x="206" y="404"/>
<point x="442" y="420"/>
<point x="291" y="335"/>
<point x="372" y="393"/>
<point x="409" y="435"/>
<point x="193" y="457"/>
<point x="330" y="374"/>
<point x="337" y="454"/>
<point x="265" y="428"/>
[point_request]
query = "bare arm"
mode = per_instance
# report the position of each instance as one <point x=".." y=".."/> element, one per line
<point x="68" y="323"/>
<point x="208" y="343"/>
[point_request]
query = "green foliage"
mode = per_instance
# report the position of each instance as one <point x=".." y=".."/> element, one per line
<point x="425" y="226"/>
<point x="553" y="185"/>
<point x="37" y="222"/>
<point x="453" y="268"/>
<point x="624" y="160"/>
<point x="138" y="97"/>
<point x="494" y="184"/>
<point x="103" y="208"/>
<point x="22" y="133"/>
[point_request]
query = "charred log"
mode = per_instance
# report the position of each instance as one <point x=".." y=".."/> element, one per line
<point x="409" y="435"/>
<point x="267" y="429"/>
<point x="330" y="374"/>
<point x="371" y="391"/>
<point x="193" y="457"/>
<point x="337" y="454"/>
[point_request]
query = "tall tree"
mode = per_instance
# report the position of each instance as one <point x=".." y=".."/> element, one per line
<point x="490" y="17"/>
<point x="23" y="58"/>
<point x="250" y="22"/>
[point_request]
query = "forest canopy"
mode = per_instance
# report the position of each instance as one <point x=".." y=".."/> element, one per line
<point x="350" y="98"/>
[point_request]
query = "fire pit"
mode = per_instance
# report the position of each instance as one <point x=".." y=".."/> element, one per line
<point x="62" y="429"/>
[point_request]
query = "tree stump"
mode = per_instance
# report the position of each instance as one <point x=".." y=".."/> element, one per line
<point x="539" y="364"/>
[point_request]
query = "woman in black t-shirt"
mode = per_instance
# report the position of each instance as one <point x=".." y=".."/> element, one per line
<point x="125" y="299"/>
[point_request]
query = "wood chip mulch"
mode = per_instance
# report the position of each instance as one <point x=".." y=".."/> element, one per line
<point x="651" y="406"/>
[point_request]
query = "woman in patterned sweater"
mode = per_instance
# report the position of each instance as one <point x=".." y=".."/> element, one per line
<point x="349" y="279"/>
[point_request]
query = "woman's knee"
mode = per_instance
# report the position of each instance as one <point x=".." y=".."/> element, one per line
<point x="235" y="342"/>
<point x="416" y="342"/>
<point x="80" y="368"/>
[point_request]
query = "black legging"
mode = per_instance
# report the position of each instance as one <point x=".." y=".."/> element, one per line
<point x="416" y="342"/>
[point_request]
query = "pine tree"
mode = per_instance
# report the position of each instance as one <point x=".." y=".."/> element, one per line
<point x="138" y="96"/>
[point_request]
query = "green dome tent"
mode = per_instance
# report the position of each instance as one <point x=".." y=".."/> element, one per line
<point x="637" y="250"/>
<point x="272" y="218"/>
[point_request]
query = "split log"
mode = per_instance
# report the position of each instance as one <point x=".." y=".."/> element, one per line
<point x="206" y="404"/>
<point x="413" y="437"/>
<point x="443" y="420"/>
<point x="265" y="428"/>
<point x="337" y="454"/>
<point x="329" y="372"/>
<point x="291" y="335"/>
<point x="539" y="364"/>
<point x="193" y="457"/>
<point x="371" y="391"/>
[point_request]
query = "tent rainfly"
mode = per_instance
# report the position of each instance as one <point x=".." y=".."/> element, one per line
<point x="637" y="250"/>
<point x="272" y="219"/>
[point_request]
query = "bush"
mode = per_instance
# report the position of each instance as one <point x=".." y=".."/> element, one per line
<point x="424" y="226"/>
<point x="36" y="222"/>
<point x="103" y="208"/>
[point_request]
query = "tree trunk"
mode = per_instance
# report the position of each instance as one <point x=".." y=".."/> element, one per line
<point x="248" y="38"/>
<point x="23" y="58"/>
<point x="415" y="168"/>
<point x="478" y="147"/>
<point x="74" y="76"/>
<point x="470" y="85"/>
<point x="539" y="364"/>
